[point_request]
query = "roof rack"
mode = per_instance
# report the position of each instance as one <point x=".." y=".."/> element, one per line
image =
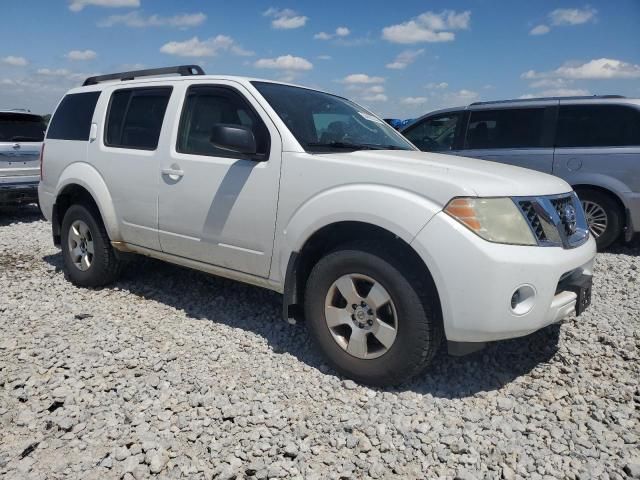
<point x="583" y="97"/>
<point x="183" y="70"/>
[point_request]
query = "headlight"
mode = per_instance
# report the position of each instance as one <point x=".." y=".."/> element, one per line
<point x="494" y="219"/>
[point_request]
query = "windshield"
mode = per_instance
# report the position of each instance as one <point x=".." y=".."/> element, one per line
<point x="18" y="127"/>
<point x="327" y="123"/>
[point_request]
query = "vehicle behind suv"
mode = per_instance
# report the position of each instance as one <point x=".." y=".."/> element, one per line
<point x="591" y="142"/>
<point x="21" y="135"/>
<point x="382" y="249"/>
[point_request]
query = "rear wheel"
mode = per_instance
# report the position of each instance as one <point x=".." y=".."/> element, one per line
<point x="89" y="258"/>
<point x="371" y="315"/>
<point x="604" y="216"/>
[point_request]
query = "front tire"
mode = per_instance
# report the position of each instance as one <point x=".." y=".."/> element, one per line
<point x="89" y="258"/>
<point x="374" y="317"/>
<point x="604" y="217"/>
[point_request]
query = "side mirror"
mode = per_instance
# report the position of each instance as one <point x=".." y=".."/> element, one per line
<point x="234" y="138"/>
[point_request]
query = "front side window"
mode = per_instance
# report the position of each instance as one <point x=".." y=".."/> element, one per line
<point x="326" y="123"/>
<point x="72" y="120"/>
<point x="135" y="117"/>
<point x="598" y="126"/>
<point x="206" y="106"/>
<point x="434" y="134"/>
<point x="506" y="128"/>
<point x="20" y="127"/>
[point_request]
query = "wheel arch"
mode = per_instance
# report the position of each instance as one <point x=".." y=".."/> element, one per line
<point x="81" y="183"/>
<point x="327" y="239"/>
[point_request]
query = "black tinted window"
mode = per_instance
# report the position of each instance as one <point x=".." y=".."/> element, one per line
<point x="507" y="128"/>
<point x="598" y="126"/>
<point x="434" y="134"/>
<point x="207" y="106"/>
<point x="19" y="127"/>
<point x="135" y="117"/>
<point x="72" y="120"/>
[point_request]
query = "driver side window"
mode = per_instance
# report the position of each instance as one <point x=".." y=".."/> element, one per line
<point x="205" y="107"/>
<point x="435" y="134"/>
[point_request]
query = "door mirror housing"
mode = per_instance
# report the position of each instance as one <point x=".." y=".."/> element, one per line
<point x="233" y="138"/>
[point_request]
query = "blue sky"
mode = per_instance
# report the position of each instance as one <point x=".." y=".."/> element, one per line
<point x="399" y="58"/>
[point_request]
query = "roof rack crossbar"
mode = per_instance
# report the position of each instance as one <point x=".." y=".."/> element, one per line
<point x="534" y="99"/>
<point x="183" y="70"/>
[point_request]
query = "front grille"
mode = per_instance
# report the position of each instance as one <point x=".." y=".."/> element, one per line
<point x="534" y="221"/>
<point x="547" y="218"/>
<point x="560" y="205"/>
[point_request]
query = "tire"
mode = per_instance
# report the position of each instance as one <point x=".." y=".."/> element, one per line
<point x="417" y="322"/>
<point x="103" y="267"/>
<point x="604" y="216"/>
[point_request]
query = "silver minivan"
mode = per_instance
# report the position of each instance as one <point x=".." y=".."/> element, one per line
<point x="21" y="136"/>
<point x="591" y="142"/>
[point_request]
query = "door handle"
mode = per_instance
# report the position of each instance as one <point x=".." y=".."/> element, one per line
<point x="173" y="173"/>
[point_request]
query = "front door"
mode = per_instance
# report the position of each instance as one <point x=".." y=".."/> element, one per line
<point x="217" y="206"/>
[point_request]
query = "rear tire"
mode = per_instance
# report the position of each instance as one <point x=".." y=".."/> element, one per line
<point x="411" y="310"/>
<point x="89" y="258"/>
<point x="604" y="216"/>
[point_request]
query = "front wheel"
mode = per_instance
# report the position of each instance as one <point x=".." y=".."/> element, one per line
<point x="604" y="217"/>
<point x="89" y="258"/>
<point x="371" y="315"/>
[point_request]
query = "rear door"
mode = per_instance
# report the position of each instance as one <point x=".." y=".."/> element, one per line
<point x="21" y="136"/>
<point x="516" y="135"/>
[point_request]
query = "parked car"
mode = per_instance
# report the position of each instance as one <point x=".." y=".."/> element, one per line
<point x="382" y="249"/>
<point x="397" y="123"/>
<point x="21" y="135"/>
<point x="591" y="142"/>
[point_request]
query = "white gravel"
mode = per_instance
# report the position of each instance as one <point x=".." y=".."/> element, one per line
<point x="182" y="375"/>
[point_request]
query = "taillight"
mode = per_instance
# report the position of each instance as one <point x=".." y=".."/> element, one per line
<point x="41" y="159"/>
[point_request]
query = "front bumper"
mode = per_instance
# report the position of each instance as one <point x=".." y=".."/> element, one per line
<point x="19" y="192"/>
<point x="476" y="280"/>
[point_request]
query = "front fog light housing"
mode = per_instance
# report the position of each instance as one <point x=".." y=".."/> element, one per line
<point x="494" y="219"/>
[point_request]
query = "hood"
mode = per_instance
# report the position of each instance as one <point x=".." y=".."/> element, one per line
<point x="442" y="177"/>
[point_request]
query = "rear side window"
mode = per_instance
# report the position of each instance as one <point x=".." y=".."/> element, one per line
<point x="72" y="120"/>
<point x="135" y="117"/>
<point x="20" y="127"/>
<point x="598" y="126"/>
<point x="506" y="128"/>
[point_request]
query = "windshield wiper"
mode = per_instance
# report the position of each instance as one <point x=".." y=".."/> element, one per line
<point x="342" y="145"/>
<point x="354" y="146"/>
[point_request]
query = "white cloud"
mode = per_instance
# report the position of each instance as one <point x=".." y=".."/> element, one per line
<point x="285" y="62"/>
<point x="539" y="30"/>
<point x="378" y="97"/>
<point x="414" y="100"/>
<point x="572" y="16"/>
<point x="361" y="79"/>
<point x="597" y="69"/>
<point x="136" y="19"/>
<point x="285" y="19"/>
<point x="550" y="83"/>
<point x="340" y="32"/>
<point x="15" y="61"/>
<point x="460" y="97"/>
<point x="437" y="86"/>
<point x="564" y="92"/>
<point x="77" y="5"/>
<point x="81" y="55"/>
<point x="428" y="27"/>
<point x="58" y="72"/>
<point x="404" y="59"/>
<point x="210" y="47"/>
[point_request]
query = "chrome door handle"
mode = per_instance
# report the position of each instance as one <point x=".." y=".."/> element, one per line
<point x="172" y="172"/>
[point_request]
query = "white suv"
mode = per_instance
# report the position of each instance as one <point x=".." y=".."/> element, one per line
<point x="381" y="248"/>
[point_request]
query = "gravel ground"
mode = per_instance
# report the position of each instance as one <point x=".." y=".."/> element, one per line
<point x="182" y="375"/>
